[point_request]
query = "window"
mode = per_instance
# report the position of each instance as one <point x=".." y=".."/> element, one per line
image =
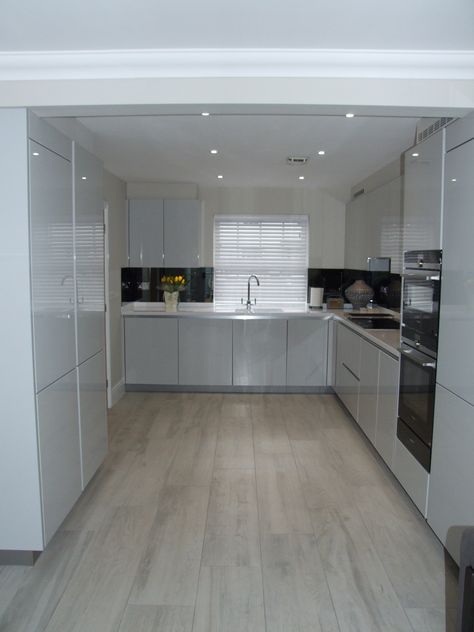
<point x="274" y="247"/>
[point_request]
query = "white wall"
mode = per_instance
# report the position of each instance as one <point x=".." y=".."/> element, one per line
<point x="115" y="192"/>
<point x="326" y="217"/>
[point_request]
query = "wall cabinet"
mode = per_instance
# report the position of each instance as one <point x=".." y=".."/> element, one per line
<point x="165" y="233"/>
<point x="423" y="194"/>
<point x="259" y="352"/>
<point x="205" y="352"/>
<point x="307" y="350"/>
<point x="151" y="350"/>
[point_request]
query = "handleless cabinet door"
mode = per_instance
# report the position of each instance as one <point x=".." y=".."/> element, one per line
<point x="151" y="350"/>
<point x="205" y="352"/>
<point x="89" y="252"/>
<point x="368" y="388"/>
<point x="348" y="352"/>
<point x="259" y="350"/>
<point x="456" y="341"/>
<point x="52" y="264"/>
<point x="182" y="233"/>
<point x="92" y="415"/>
<point x="59" y="450"/>
<point x="307" y="352"/>
<point x="145" y="233"/>
<point x="387" y="409"/>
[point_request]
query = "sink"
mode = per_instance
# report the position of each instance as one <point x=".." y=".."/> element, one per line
<point x="259" y="310"/>
<point x="368" y="321"/>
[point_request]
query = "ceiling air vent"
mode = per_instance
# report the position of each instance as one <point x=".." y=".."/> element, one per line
<point x="297" y="160"/>
<point x="433" y="128"/>
<point x="357" y="193"/>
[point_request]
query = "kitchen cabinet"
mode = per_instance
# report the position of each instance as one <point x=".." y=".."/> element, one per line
<point x="412" y="476"/>
<point x="387" y="407"/>
<point x="89" y="253"/>
<point x="259" y="352"/>
<point x="59" y="451"/>
<point x="93" y="415"/>
<point x="145" y="233"/>
<point x="450" y="504"/>
<point x="348" y="352"/>
<point x="368" y="389"/>
<point x="423" y="194"/>
<point x="205" y="352"/>
<point x="151" y="350"/>
<point x="307" y="352"/>
<point x="182" y="233"/>
<point x="356" y="245"/>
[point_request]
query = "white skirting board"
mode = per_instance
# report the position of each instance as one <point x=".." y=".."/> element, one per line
<point x="116" y="393"/>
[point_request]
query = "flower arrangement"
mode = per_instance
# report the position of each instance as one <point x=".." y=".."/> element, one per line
<point x="173" y="283"/>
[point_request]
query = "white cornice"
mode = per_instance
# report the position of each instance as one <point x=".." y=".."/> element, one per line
<point x="166" y="63"/>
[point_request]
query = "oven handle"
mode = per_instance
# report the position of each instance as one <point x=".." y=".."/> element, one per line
<point x="417" y="358"/>
<point x="422" y="276"/>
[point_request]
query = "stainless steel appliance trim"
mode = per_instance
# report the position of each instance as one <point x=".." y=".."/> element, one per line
<point x="418" y="358"/>
<point x="418" y="347"/>
<point x="421" y="275"/>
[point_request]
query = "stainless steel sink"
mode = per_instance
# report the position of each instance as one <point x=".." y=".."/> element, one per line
<point x="259" y="310"/>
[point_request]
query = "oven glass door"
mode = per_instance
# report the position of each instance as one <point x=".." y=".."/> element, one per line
<point x="421" y="309"/>
<point x="417" y="392"/>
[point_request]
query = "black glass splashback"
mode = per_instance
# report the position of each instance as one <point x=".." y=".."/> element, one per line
<point x="143" y="284"/>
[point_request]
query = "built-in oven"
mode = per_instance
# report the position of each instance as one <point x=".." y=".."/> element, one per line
<point x="418" y="352"/>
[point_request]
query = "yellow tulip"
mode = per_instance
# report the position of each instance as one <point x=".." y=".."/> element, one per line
<point x="183" y="281"/>
<point x="163" y="279"/>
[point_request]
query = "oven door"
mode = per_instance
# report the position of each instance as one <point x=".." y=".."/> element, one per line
<point x="420" y="316"/>
<point x="417" y="392"/>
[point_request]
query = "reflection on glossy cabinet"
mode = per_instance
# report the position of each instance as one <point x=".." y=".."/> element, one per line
<point x="368" y="389"/>
<point x="259" y="352"/>
<point x="307" y="352"/>
<point x="145" y="233"/>
<point x="423" y="198"/>
<point x="151" y="350"/>
<point x="52" y="264"/>
<point x="205" y="352"/>
<point x="93" y="415"/>
<point x="182" y="233"/>
<point x="89" y="253"/>
<point x="387" y="408"/>
<point x="59" y="450"/>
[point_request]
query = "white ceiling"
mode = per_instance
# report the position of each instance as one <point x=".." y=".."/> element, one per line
<point x="252" y="148"/>
<point x="28" y="25"/>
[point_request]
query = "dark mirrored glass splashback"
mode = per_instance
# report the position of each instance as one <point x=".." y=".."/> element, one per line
<point x="143" y="284"/>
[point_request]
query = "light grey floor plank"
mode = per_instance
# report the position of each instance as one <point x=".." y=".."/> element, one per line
<point x="169" y="568"/>
<point x="235" y="444"/>
<point x="296" y="592"/>
<point x="281" y="504"/>
<point x="11" y="577"/>
<point x="232" y="535"/>
<point x="432" y="619"/>
<point x="193" y="460"/>
<point x="362" y="594"/>
<point x="157" y="619"/>
<point x="270" y="435"/>
<point x="230" y="599"/>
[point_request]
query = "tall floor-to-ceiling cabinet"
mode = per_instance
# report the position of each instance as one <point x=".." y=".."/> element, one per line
<point x="52" y="370"/>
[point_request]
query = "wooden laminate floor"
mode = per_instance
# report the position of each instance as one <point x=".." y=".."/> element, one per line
<point x="236" y="513"/>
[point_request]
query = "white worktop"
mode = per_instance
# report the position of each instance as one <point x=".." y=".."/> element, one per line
<point x="389" y="340"/>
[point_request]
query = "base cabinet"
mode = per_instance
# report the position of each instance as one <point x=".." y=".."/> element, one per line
<point x="348" y="350"/>
<point x="205" y="352"/>
<point x="412" y="476"/>
<point x="307" y="352"/>
<point x="368" y="389"/>
<point x="387" y="407"/>
<point x="59" y="450"/>
<point x="151" y="350"/>
<point x="259" y="352"/>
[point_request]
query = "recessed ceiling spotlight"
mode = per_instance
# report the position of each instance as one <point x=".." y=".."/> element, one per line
<point x="214" y="152"/>
<point x="220" y="177"/>
<point x="205" y="113"/>
<point x="350" y="115"/>
<point x="84" y="177"/>
<point x="453" y="180"/>
<point x="415" y="154"/>
<point x="36" y="153"/>
<point x="300" y="177"/>
<point x="321" y="152"/>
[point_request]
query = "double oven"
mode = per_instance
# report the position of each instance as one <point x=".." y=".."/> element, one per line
<point x="418" y="352"/>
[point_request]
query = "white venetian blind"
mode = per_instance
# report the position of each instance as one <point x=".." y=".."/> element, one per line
<point x="274" y="247"/>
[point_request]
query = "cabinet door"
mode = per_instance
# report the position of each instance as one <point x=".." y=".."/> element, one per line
<point x="368" y="389"/>
<point x="259" y="352"/>
<point x="456" y="342"/>
<point x="205" y="352"/>
<point x="151" y="350"/>
<point x="356" y="242"/>
<point x="387" y="410"/>
<point x="307" y="352"/>
<point x="59" y="450"/>
<point x="182" y="226"/>
<point x="450" y="500"/>
<point x="92" y="415"/>
<point x="89" y="251"/>
<point x="52" y="264"/>
<point x="145" y="233"/>
<point x="349" y="348"/>
<point x="348" y="351"/>
<point x="423" y="199"/>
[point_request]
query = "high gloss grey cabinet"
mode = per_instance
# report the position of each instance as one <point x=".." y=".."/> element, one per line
<point x="307" y="352"/>
<point x="259" y="352"/>
<point x="151" y="350"/>
<point x="348" y="350"/>
<point x="368" y="389"/>
<point x="182" y="233"/>
<point x="387" y="407"/>
<point x="145" y="233"/>
<point x="205" y="352"/>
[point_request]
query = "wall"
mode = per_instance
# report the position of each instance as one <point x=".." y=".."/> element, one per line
<point x="115" y="193"/>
